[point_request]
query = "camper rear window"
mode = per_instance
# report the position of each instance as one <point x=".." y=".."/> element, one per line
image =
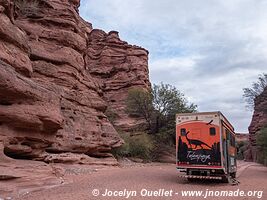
<point x="212" y="131"/>
<point x="183" y="132"/>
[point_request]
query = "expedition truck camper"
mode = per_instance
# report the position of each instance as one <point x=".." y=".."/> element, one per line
<point x="205" y="146"/>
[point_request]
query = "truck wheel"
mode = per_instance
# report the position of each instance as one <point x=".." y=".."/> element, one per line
<point x="226" y="179"/>
<point x="233" y="175"/>
<point x="191" y="179"/>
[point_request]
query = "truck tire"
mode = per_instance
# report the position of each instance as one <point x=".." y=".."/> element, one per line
<point x="226" y="179"/>
<point x="233" y="175"/>
<point x="191" y="179"/>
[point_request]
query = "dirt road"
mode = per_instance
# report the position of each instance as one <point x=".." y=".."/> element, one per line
<point x="162" y="179"/>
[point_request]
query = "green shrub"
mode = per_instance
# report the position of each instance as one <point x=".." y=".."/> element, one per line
<point x="165" y="137"/>
<point x="261" y="142"/>
<point x="122" y="151"/>
<point x="111" y="115"/>
<point x="139" y="146"/>
<point x="241" y="148"/>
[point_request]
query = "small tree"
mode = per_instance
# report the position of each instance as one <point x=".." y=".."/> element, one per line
<point x="159" y="107"/>
<point x="139" y="104"/>
<point x="256" y="89"/>
<point x="168" y="101"/>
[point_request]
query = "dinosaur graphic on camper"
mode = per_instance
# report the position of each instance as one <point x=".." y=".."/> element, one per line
<point x="195" y="142"/>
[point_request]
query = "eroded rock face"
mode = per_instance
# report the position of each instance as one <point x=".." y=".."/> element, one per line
<point x="58" y="77"/>
<point x="259" y="120"/>
<point x="117" y="67"/>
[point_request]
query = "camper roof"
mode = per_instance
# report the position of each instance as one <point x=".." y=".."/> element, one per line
<point x="208" y="113"/>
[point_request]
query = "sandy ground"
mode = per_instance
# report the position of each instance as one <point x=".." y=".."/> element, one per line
<point x="80" y="183"/>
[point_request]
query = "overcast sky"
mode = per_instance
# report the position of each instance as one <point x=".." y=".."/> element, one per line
<point x="208" y="49"/>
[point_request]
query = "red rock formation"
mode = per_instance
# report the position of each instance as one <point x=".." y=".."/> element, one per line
<point x="57" y="78"/>
<point x="259" y="120"/>
<point x="117" y="67"/>
<point x="241" y="137"/>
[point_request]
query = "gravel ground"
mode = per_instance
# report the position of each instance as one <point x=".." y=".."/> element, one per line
<point x="161" y="178"/>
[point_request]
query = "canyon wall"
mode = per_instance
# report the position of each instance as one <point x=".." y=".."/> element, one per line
<point x="58" y="79"/>
<point x="117" y="67"/>
<point x="259" y="120"/>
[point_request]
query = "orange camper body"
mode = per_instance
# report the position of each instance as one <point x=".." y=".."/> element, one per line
<point x="205" y="146"/>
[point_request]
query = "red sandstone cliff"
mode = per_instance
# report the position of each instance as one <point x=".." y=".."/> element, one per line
<point x="117" y="67"/>
<point x="259" y="120"/>
<point x="58" y="77"/>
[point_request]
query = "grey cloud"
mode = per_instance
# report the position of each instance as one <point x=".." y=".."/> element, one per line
<point x="209" y="49"/>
